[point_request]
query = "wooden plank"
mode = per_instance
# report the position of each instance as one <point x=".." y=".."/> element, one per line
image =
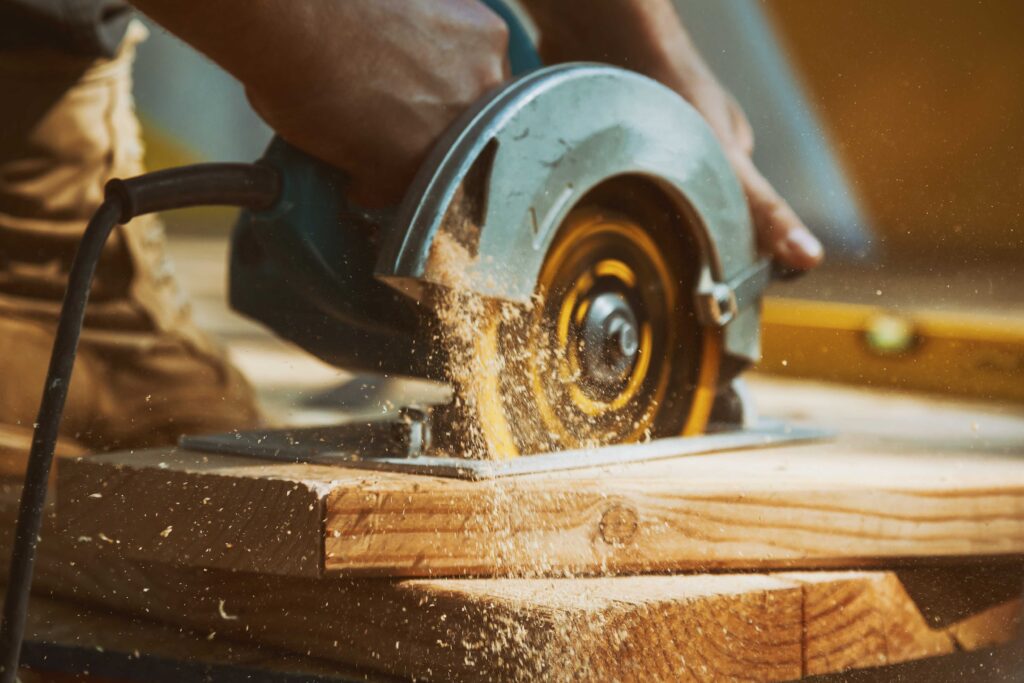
<point x="994" y="626"/>
<point x="907" y="479"/>
<point x="752" y="627"/>
<point x="857" y="621"/>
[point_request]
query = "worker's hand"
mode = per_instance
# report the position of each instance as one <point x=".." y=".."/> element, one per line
<point x="366" y="85"/>
<point x="647" y="36"/>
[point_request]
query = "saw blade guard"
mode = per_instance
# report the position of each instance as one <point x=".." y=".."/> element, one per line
<point x="589" y="253"/>
<point x="505" y="179"/>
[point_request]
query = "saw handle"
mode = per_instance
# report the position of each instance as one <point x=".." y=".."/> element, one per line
<point x="523" y="57"/>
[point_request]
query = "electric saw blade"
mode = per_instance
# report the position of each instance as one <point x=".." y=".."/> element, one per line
<point x="610" y="349"/>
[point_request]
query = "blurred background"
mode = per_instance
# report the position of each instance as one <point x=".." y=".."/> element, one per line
<point x="895" y="128"/>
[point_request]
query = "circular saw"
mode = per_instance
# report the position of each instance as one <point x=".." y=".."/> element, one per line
<point x="575" y="259"/>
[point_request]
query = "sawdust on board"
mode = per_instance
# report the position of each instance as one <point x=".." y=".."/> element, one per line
<point x="559" y="646"/>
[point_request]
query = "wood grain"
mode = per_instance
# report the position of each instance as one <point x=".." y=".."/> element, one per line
<point x="749" y="627"/>
<point x="862" y="621"/>
<point x="907" y="480"/>
<point x="204" y="516"/>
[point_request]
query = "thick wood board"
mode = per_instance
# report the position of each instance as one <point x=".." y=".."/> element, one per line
<point x="632" y="628"/>
<point x="907" y="480"/>
<point x="749" y="627"/>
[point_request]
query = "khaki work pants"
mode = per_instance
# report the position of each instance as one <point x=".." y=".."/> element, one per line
<point x="145" y="373"/>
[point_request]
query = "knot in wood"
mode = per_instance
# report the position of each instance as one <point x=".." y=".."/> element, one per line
<point x="619" y="524"/>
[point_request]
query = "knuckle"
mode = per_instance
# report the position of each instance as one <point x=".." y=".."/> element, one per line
<point x="500" y="35"/>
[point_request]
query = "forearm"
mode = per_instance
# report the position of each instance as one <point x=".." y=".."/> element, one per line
<point x="258" y="41"/>
<point x="642" y="35"/>
<point x="366" y="85"/>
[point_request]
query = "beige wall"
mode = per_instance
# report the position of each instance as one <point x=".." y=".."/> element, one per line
<point x="925" y="99"/>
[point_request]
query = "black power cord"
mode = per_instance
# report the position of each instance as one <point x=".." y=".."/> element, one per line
<point x="246" y="185"/>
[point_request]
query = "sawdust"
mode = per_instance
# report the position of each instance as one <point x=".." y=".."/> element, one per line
<point x="495" y="358"/>
<point x="467" y="324"/>
<point x="462" y="317"/>
<point x="555" y="648"/>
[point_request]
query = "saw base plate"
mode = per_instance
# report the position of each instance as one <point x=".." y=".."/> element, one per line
<point x="388" y="446"/>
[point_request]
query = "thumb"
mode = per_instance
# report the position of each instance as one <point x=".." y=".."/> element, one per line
<point x="779" y="230"/>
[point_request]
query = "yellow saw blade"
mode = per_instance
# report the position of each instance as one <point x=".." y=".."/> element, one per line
<point x="609" y="352"/>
